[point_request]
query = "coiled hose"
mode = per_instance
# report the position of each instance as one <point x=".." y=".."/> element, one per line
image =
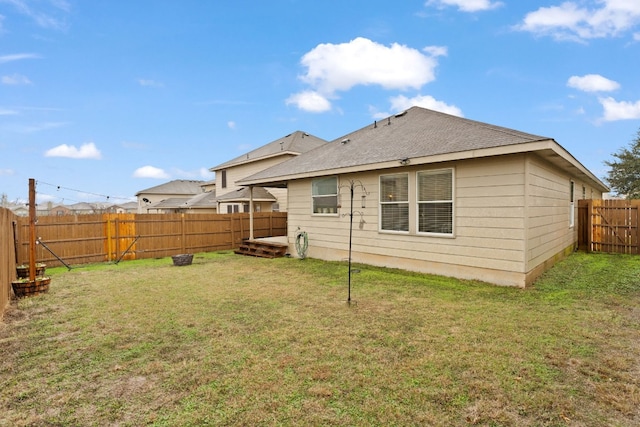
<point x="302" y="243"/>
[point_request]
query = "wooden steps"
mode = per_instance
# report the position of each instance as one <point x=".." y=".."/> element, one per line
<point x="262" y="248"/>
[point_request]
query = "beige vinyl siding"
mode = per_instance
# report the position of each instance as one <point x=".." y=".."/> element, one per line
<point x="548" y="206"/>
<point x="236" y="173"/>
<point x="488" y="222"/>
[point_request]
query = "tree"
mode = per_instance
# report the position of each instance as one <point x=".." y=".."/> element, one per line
<point x="624" y="175"/>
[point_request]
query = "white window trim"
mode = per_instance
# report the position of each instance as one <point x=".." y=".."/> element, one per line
<point x="337" y="194"/>
<point x="572" y="203"/>
<point x="452" y="201"/>
<point x="380" y="203"/>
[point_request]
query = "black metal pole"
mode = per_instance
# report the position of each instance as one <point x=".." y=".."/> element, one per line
<point x="127" y="250"/>
<point x="40" y="242"/>
<point x="350" y="237"/>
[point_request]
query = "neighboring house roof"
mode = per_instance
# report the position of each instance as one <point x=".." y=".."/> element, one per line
<point x="127" y="206"/>
<point x="295" y="143"/>
<point x="204" y="200"/>
<point x="178" y="186"/>
<point x="170" y="203"/>
<point x="260" y="194"/>
<point x="84" y="206"/>
<point x="416" y="136"/>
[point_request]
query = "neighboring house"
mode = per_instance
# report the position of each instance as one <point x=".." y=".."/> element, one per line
<point x="20" y="209"/>
<point x="84" y="208"/>
<point x="170" y="196"/>
<point x="202" y="203"/>
<point x="129" y="207"/>
<point x="437" y="194"/>
<point x="231" y="198"/>
<point x="59" y="210"/>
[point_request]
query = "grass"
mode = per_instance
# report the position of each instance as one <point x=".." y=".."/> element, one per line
<point x="234" y="340"/>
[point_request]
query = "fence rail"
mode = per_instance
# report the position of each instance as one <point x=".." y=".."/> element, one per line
<point x="82" y="239"/>
<point x="610" y="226"/>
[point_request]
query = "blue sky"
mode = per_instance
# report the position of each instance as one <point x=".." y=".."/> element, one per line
<point x="106" y="98"/>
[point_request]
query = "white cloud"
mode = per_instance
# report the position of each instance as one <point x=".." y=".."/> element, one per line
<point x="310" y="101"/>
<point x="231" y="124"/>
<point x="86" y="151"/>
<point x="401" y="103"/>
<point x="573" y="21"/>
<point x="619" y="110"/>
<point x="4" y="112"/>
<point x="592" y="83"/>
<point x="149" y="83"/>
<point x="44" y="19"/>
<point x="15" y="80"/>
<point x="150" y="172"/>
<point x="17" y="57"/>
<point x="7" y="172"/>
<point x="205" y="173"/>
<point x="436" y="51"/>
<point x="332" y="68"/>
<point x="466" y="5"/>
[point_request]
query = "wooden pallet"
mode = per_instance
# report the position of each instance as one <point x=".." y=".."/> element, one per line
<point x="262" y="249"/>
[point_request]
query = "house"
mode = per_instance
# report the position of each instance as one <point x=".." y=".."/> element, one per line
<point x="201" y="203"/>
<point x="439" y="194"/>
<point x="128" y="207"/>
<point x="233" y="198"/>
<point x="173" y="196"/>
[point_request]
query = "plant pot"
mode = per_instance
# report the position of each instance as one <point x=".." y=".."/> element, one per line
<point x="182" y="259"/>
<point x="22" y="271"/>
<point x="26" y="287"/>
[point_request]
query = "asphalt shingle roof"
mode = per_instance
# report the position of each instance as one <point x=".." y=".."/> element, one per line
<point x="178" y="186"/>
<point x="295" y="143"/>
<point x="242" y="194"/>
<point x="417" y="132"/>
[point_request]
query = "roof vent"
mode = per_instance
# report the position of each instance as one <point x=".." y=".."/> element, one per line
<point x="344" y="141"/>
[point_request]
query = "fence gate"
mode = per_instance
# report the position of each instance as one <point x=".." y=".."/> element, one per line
<point x="609" y="226"/>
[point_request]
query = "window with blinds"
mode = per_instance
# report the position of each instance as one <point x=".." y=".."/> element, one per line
<point x="394" y="202"/>
<point x="324" y="192"/>
<point x="435" y="201"/>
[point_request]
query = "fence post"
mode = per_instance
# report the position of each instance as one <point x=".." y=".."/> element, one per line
<point x="589" y="224"/>
<point x="183" y="246"/>
<point x="108" y="237"/>
<point x="117" y="254"/>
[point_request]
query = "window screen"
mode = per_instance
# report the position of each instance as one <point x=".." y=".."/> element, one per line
<point x="324" y="192"/>
<point x="394" y="202"/>
<point x="435" y="201"/>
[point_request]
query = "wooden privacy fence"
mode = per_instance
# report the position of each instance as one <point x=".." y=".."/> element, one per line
<point x="609" y="226"/>
<point x="83" y="239"/>
<point x="7" y="256"/>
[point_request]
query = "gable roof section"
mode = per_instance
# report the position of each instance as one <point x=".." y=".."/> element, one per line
<point x="295" y="143"/>
<point x="204" y="200"/>
<point x="178" y="186"/>
<point x="420" y="136"/>
<point x="260" y="194"/>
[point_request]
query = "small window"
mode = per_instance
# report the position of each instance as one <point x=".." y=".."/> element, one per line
<point x="572" y="203"/>
<point x="275" y="207"/>
<point x="223" y="178"/>
<point x="324" y="192"/>
<point x="394" y="202"/>
<point x="245" y="207"/>
<point x="435" y="201"/>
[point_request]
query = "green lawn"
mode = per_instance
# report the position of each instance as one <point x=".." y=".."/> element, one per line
<point x="234" y="340"/>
